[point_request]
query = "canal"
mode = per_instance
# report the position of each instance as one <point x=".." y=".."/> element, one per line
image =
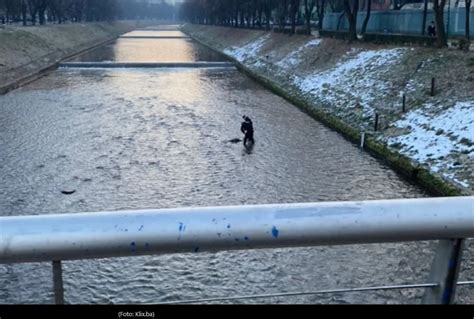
<point x="138" y="138"/>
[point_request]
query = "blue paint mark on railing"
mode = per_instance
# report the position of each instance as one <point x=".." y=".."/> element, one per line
<point x="275" y="232"/>
<point x="181" y="229"/>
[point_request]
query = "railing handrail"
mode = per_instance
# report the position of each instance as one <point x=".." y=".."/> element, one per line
<point x="132" y="233"/>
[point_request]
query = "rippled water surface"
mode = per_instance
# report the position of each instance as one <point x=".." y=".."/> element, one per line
<point x="145" y="138"/>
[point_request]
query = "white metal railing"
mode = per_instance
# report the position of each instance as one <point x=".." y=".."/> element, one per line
<point x="132" y="233"/>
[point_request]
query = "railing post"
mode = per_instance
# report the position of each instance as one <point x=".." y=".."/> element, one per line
<point x="404" y="103"/>
<point x="362" y="140"/>
<point x="433" y="86"/>
<point x="376" y="124"/>
<point x="445" y="271"/>
<point x="58" y="283"/>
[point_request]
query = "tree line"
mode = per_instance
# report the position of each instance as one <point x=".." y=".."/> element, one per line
<point x="59" y="11"/>
<point x="252" y="13"/>
<point x="287" y="14"/>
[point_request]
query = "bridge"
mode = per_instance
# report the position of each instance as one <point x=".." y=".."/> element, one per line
<point x="54" y="238"/>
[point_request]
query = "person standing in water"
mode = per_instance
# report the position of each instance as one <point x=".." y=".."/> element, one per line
<point x="247" y="129"/>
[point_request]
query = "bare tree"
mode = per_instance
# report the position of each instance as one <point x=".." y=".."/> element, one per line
<point x="42" y="6"/>
<point x="320" y="9"/>
<point x="24" y="12"/>
<point x="425" y="13"/>
<point x="438" y="7"/>
<point x="367" y="17"/>
<point x="295" y="7"/>
<point x="268" y="6"/>
<point x="308" y="12"/>
<point x="351" y="8"/>
<point x="282" y="11"/>
<point x="468" y="22"/>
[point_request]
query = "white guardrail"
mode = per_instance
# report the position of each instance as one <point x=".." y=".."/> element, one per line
<point x="131" y="233"/>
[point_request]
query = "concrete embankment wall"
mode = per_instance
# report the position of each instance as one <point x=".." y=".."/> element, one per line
<point x="345" y="87"/>
<point x="26" y="52"/>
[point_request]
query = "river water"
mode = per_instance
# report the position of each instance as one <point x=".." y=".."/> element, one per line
<point x="159" y="138"/>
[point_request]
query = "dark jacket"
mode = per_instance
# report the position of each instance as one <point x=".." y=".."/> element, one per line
<point x="247" y="127"/>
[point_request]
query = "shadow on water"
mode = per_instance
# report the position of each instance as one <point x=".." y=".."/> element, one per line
<point x="235" y="140"/>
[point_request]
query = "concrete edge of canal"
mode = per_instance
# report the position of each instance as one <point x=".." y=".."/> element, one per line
<point x="412" y="171"/>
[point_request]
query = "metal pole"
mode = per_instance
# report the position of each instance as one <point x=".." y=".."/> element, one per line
<point x="433" y="86"/>
<point x="376" y="124"/>
<point x="362" y="140"/>
<point x="404" y="101"/>
<point x="58" y="283"/>
<point x="445" y="271"/>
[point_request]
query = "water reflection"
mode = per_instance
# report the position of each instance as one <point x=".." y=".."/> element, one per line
<point x="151" y="33"/>
<point x="150" y="50"/>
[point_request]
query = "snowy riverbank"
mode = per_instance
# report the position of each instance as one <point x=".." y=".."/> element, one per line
<point x="355" y="82"/>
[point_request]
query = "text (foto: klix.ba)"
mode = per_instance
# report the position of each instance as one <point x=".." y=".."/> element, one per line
<point x="136" y="314"/>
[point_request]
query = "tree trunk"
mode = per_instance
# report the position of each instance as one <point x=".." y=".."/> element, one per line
<point x="283" y="8"/>
<point x="438" y="7"/>
<point x="468" y="22"/>
<point x="367" y="17"/>
<point x="320" y="6"/>
<point x="294" y="12"/>
<point x="307" y="15"/>
<point x="339" y="20"/>
<point x="351" y="8"/>
<point x="425" y="13"/>
<point x="268" y="16"/>
<point x="309" y="7"/>
<point x="24" y="13"/>
<point x="33" y="10"/>
<point x="41" y="12"/>
<point x="260" y="19"/>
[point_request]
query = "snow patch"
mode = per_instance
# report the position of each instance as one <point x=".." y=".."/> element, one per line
<point x="435" y="136"/>
<point x="360" y="76"/>
<point x="452" y="177"/>
<point x="295" y="57"/>
<point x="250" y="50"/>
